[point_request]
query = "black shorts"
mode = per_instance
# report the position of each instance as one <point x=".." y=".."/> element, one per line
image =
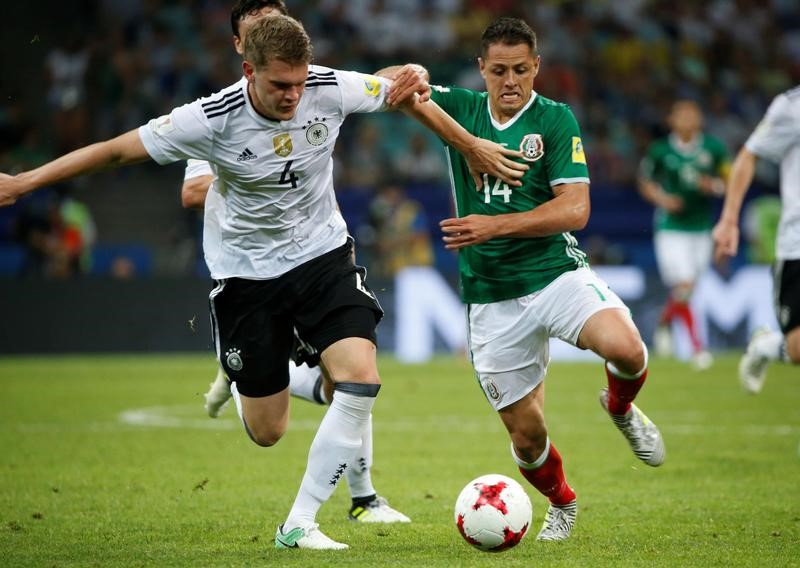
<point x="253" y="322"/>
<point x="787" y="294"/>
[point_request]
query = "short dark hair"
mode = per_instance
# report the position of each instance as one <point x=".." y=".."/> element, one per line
<point x="510" y="31"/>
<point x="243" y="8"/>
<point x="277" y="37"/>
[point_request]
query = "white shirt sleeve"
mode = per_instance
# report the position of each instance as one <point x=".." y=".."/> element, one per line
<point x="778" y="131"/>
<point x="362" y="93"/>
<point x="182" y="134"/>
<point x="197" y="168"/>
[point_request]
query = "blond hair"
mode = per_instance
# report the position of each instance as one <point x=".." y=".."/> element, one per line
<point x="277" y="37"/>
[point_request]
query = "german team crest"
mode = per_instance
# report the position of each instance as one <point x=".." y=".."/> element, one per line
<point x="316" y="132"/>
<point x="282" y="144"/>
<point x="532" y="147"/>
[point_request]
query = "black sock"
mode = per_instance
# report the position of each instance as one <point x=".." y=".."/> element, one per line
<point x="363" y="501"/>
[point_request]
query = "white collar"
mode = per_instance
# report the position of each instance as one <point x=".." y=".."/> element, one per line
<point x="514" y="118"/>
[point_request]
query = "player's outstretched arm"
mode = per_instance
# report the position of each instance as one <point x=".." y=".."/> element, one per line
<point x="410" y="92"/>
<point x="194" y="191"/>
<point x="567" y="211"/>
<point x="726" y="231"/>
<point x="653" y="193"/>
<point x="119" y="151"/>
<point x="483" y="156"/>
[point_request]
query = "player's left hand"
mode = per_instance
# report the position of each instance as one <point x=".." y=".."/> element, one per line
<point x="466" y="231"/>
<point x="408" y="80"/>
<point x="496" y="160"/>
<point x="726" y="241"/>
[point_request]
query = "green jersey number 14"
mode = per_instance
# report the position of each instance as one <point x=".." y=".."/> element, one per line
<point x="499" y="188"/>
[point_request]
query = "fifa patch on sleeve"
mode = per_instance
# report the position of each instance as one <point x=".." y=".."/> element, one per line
<point x="372" y="86"/>
<point x="162" y="125"/>
<point x="578" y="157"/>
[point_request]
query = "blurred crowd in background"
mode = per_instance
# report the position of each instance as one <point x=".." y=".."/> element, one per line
<point x="88" y="70"/>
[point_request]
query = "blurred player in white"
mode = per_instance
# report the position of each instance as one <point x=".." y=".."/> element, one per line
<point x="777" y="138"/>
<point x="305" y="374"/>
<point x="680" y="176"/>
<point x="281" y="256"/>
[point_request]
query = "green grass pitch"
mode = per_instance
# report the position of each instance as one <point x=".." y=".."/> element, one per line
<point x="110" y="461"/>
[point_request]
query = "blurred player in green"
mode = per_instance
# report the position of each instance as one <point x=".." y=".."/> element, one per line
<point x="680" y="175"/>
<point x="523" y="277"/>
<point x="777" y="139"/>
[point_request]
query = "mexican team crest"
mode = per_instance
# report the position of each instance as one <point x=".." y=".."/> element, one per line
<point x="282" y="144"/>
<point x="532" y="147"/>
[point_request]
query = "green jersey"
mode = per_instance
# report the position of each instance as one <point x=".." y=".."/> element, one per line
<point x="547" y="133"/>
<point x="677" y="169"/>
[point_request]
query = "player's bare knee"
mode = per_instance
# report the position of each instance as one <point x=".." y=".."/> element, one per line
<point x="529" y="439"/>
<point x="793" y="346"/>
<point x="628" y="355"/>
<point x="266" y="436"/>
<point x="529" y="446"/>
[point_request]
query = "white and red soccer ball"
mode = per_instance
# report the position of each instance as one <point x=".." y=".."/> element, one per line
<point x="493" y="513"/>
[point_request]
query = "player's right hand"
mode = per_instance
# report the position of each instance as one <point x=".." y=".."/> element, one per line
<point x="9" y="190"/>
<point x="496" y="160"/>
<point x="671" y="203"/>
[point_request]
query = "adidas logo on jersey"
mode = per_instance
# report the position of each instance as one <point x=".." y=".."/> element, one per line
<point x="246" y="155"/>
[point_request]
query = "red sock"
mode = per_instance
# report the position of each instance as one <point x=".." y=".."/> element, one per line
<point x="668" y="312"/>
<point x="549" y="479"/>
<point x="621" y="392"/>
<point x="684" y="313"/>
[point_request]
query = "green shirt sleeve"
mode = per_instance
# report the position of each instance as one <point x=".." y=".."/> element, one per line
<point x="564" y="156"/>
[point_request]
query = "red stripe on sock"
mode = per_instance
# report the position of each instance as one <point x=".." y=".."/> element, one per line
<point x="668" y="312"/>
<point x="684" y="313"/>
<point x="549" y="479"/>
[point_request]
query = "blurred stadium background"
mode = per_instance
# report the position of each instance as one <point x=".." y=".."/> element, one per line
<point x="112" y="262"/>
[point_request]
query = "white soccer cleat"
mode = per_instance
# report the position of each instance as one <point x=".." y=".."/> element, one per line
<point x="558" y="521"/>
<point x="218" y="395"/>
<point x="309" y="537"/>
<point x="662" y="341"/>
<point x="642" y="435"/>
<point x="702" y="360"/>
<point x="376" y="511"/>
<point x="753" y="365"/>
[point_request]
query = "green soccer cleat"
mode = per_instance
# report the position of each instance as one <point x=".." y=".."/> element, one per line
<point x="309" y="537"/>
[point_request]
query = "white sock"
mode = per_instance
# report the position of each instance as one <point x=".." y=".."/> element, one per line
<point x="303" y="383"/>
<point x="338" y="439"/>
<point x="238" y="401"/>
<point x="359" y="479"/>
<point x="770" y="345"/>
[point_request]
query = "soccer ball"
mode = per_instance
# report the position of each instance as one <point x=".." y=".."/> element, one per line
<point x="493" y="513"/>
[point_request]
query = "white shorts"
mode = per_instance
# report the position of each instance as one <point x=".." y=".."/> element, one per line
<point x="682" y="256"/>
<point x="510" y="340"/>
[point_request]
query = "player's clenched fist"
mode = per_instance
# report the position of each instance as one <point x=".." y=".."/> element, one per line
<point x="10" y="190"/>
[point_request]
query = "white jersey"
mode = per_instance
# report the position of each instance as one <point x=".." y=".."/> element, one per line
<point x="777" y="138"/>
<point x="271" y="206"/>
<point x="213" y="211"/>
